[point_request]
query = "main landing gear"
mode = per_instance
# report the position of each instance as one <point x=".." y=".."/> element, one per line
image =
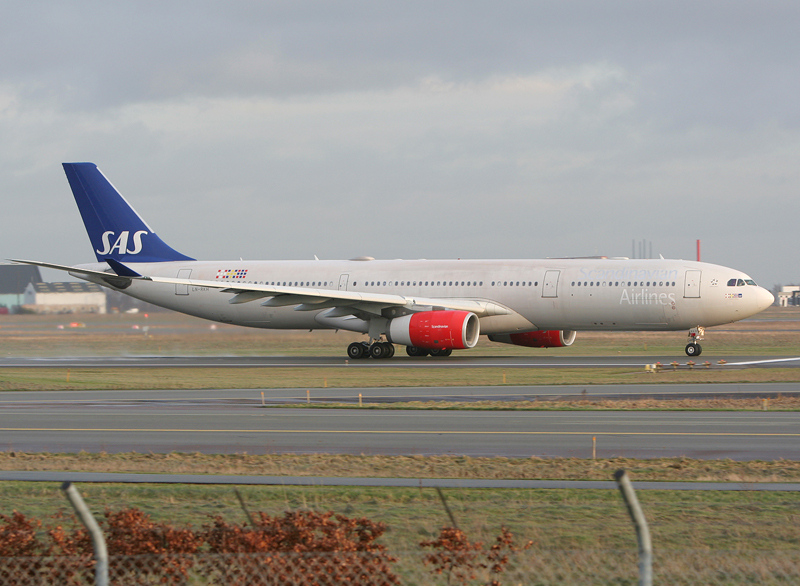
<point x="377" y="350"/>
<point x="695" y="335"/>
<point x="419" y="352"/>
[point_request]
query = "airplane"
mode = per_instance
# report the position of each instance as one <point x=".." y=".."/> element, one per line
<point x="431" y="307"/>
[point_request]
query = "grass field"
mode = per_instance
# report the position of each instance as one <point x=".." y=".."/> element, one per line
<point x="33" y="379"/>
<point x="775" y="331"/>
<point x="562" y="519"/>
<point x="657" y="469"/>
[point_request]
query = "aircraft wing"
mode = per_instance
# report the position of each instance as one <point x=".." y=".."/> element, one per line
<point x="303" y="298"/>
<point x="310" y="299"/>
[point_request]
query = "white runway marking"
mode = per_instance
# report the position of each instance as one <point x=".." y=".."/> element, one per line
<point x="772" y="360"/>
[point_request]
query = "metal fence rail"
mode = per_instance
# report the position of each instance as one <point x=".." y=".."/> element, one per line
<point x="532" y="567"/>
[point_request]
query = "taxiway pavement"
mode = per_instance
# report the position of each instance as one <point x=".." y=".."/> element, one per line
<point x="235" y="421"/>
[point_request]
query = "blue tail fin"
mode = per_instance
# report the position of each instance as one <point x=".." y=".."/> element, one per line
<point x="114" y="227"/>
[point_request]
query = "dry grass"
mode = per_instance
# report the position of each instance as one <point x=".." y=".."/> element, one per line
<point x="662" y="469"/>
<point x="775" y="331"/>
<point x="778" y="403"/>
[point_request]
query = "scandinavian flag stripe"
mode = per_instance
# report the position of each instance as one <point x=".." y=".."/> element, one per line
<point x="231" y="274"/>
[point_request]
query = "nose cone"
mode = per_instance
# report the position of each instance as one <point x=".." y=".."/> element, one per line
<point x="764" y="299"/>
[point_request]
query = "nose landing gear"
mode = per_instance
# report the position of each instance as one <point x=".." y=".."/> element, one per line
<point x="695" y="335"/>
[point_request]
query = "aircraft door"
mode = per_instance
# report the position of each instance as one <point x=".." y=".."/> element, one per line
<point x="550" y="286"/>
<point x="343" y="281"/>
<point x="183" y="289"/>
<point x="691" y="288"/>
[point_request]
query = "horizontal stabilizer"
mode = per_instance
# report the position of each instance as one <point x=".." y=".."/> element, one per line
<point x="121" y="269"/>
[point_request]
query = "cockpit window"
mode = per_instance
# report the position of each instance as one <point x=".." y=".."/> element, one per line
<point x="750" y="282"/>
<point x="732" y="283"/>
<point x="740" y="283"/>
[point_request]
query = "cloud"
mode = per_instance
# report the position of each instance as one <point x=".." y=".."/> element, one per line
<point x="453" y="129"/>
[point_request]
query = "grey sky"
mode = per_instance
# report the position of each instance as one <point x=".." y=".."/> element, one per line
<point x="409" y="129"/>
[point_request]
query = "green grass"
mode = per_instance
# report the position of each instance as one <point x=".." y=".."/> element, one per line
<point x="558" y="519"/>
<point x="358" y="376"/>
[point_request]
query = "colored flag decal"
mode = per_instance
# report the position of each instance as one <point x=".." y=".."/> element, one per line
<point x="231" y="274"/>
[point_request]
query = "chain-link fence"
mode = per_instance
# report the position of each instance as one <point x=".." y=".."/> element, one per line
<point x="531" y="567"/>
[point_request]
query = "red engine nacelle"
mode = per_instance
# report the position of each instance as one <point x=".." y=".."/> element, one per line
<point x="540" y="339"/>
<point x="431" y="330"/>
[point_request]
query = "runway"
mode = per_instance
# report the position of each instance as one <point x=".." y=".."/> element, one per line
<point x="399" y="361"/>
<point x="235" y="421"/>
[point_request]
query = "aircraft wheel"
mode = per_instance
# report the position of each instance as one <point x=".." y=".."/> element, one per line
<point x="435" y="352"/>
<point x="356" y="350"/>
<point x="416" y="352"/>
<point x="446" y="352"/>
<point x="693" y="349"/>
<point x="378" y="350"/>
<point x="391" y="348"/>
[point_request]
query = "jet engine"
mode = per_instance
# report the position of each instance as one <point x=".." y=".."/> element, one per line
<point x="432" y="330"/>
<point x="539" y="339"/>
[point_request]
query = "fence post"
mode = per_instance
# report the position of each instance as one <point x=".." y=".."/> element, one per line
<point x="642" y="531"/>
<point x="98" y="541"/>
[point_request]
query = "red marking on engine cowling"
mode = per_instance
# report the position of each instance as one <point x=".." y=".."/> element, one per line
<point x="545" y="339"/>
<point x="454" y="330"/>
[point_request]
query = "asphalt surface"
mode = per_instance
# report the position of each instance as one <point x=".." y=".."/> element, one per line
<point x="235" y="421"/>
<point x="399" y="361"/>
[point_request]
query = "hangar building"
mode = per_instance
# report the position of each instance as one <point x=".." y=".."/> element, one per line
<point x="13" y="280"/>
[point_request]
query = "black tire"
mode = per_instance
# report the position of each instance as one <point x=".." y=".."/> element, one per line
<point x="390" y="346"/>
<point x="416" y="352"/>
<point x="693" y="349"/>
<point x="355" y="350"/>
<point x="436" y="352"/>
<point x="378" y="351"/>
<point x="446" y="352"/>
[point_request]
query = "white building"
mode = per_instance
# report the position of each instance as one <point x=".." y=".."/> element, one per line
<point x="789" y="296"/>
<point x="65" y="298"/>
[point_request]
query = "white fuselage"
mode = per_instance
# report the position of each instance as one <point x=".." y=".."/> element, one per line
<point x="552" y="294"/>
